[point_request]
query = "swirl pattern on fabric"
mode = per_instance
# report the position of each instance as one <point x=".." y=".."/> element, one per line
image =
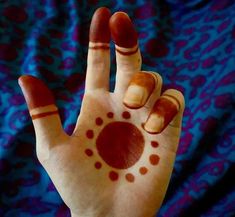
<point x="191" y="44"/>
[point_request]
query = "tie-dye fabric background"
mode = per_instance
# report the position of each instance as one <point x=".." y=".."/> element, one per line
<point x="190" y="43"/>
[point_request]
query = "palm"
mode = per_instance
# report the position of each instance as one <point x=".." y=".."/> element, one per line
<point x="143" y="182"/>
<point x="119" y="159"/>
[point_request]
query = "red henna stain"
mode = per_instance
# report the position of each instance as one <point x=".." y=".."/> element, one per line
<point x="130" y="177"/>
<point x="145" y="80"/>
<point x="127" y="53"/>
<point x="35" y="92"/>
<point x="89" y="152"/>
<point x="173" y="97"/>
<point x="98" y="165"/>
<point x="166" y="109"/>
<point x="113" y="176"/>
<point x="99" y="29"/>
<point x="126" y="115"/>
<point x="154" y="144"/>
<point x="89" y="134"/>
<point x="101" y="47"/>
<point x="45" y="114"/>
<point x="143" y="170"/>
<point x="99" y="121"/>
<point x="142" y="125"/>
<point x="154" y="159"/>
<point x="122" y="30"/>
<point x="120" y="144"/>
<point x="110" y="115"/>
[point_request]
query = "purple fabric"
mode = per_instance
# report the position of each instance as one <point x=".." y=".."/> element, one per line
<point x="190" y="43"/>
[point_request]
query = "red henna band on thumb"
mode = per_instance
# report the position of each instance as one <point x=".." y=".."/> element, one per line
<point x="35" y="92"/>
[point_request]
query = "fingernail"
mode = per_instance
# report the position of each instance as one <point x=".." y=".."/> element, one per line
<point x="135" y="96"/>
<point x="140" y="88"/>
<point x="154" y="123"/>
<point x="163" y="112"/>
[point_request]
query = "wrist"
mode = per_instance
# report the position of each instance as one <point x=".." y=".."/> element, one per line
<point x="76" y="215"/>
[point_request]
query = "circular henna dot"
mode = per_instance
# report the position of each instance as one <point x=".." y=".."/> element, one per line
<point x="154" y="159"/>
<point x="110" y="115"/>
<point x="120" y="144"/>
<point x="89" y="152"/>
<point x="143" y="170"/>
<point x="99" y="121"/>
<point x="126" y="115"/>
<point x="154" y="144"/>
<point x="130" y="177"/>
<point x="98" y="165"/>
<point x="113" y="176"/>
<point x="89" y="134"/>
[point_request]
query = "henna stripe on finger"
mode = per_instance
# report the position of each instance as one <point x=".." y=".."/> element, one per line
<point x="173" y="97"/>
<point x="127" y="53"/>
<point x="128" y="56"/>
<point x="99" y="47"/>
<point x="98" y="58"/>
<point x="42" y="115"/>
<point x="43" y="111"/>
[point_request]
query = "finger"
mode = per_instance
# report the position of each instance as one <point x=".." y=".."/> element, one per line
<point x="128" y="56"/>
<point x="98" y="59"/>
<point x="156" y="92"/>
<point x="168" y="108"/>
<point x="144" y="88"/>
<point x="42" y="109"/>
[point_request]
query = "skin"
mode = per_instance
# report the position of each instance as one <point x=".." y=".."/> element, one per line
<point x="119" y="160"/>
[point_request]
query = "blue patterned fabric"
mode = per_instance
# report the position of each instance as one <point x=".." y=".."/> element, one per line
<point x="190" y="43"/>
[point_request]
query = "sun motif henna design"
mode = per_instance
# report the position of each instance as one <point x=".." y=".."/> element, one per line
<point x="119" y="144"/>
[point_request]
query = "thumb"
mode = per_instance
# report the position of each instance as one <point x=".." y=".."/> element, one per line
<point x="43" y="111"/>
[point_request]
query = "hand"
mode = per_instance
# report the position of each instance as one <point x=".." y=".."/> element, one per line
<point x="119" y="159"/>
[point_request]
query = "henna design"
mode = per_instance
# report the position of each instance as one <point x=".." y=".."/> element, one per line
<point x="110" y="115"/>
<point x="126" y="115"/>
<point x="35" y="91"/>
<point x="99" y="29"/>
<point x="98" y="165"/>
<point x="154" y="159"/>
<point x="89" y="152"/>
<point x="45" y="114"/>
<point x="143" y="170"/>
<point x="122" y="30"/>
<point x="154" y="144"/>
<point x="163" y="112"/>
<point x="124" y="150"/>
<point x="165" y="109"/>
<point x="139" y="90"/>
<point x="90" y="134"/>
<point x="113" y="176"/>
<point x="127" y="53"/>
<point x="120" y="144"/>
<point x="39" y="98"/>
<point x="99" y="47"/>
